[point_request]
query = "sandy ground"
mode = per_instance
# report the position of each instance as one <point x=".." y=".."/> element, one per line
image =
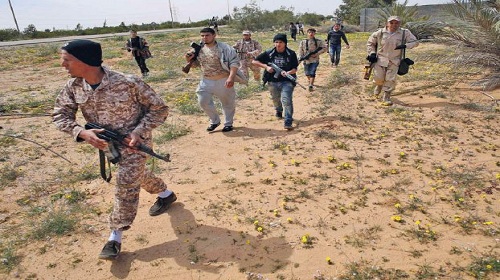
<point x="335" y="178"/>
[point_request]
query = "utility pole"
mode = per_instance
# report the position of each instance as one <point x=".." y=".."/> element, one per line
<point x="171" y="14"/>
<point x="14" y="15"/>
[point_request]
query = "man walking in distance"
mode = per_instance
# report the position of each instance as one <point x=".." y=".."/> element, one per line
<point x="247" y="50"/>
<point x="387" y="55"/>
<point x="281" y="88"/>
<point x="135" y="45"/>
<point x="293" y="30"/>
<point x="333" y="39"/>
<point x="123" y="103"/>
<point x="219" y="63"/>
<point x="311" y="47"/>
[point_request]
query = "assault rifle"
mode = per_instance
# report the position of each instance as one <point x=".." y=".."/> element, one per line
<point x="197" y="49"/>
<point x="309" y="54"/>
<point x="117" y="138"/>
<point x="368" y="70"/>
<point x="277" y="73"/>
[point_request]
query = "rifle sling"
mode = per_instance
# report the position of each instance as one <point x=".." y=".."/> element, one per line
<point x="102" y="165"/>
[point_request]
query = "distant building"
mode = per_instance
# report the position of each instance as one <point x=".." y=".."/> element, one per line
<point x="369" y="18"/>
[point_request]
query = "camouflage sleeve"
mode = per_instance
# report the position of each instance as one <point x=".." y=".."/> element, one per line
<point x="237" y="45"/>
<point x="258" y="47"/>
<point x="64" y="115"/>
<point x="321" y="44"/>
<point x="302" y="50"/>
<point x="155" y="109"/>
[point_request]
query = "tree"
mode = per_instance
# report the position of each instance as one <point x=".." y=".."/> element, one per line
<point x="350" y="10"/>
<point x="248" y="17"/>
<point x="405" y="13"/>
<point x="30" y="31"/>
<point x="475" y="26"/>
<point x="312" y="19"/>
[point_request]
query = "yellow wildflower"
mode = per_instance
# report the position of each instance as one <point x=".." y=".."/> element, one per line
<point x="305" y="239"/>
<point x="396" y="218"/>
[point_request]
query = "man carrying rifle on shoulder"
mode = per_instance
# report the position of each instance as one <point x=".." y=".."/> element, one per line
<point x="281" y="86"/>
<point x="309" y="51"/>
<point x="219" y="63"/>
<point x="121" y="103"/>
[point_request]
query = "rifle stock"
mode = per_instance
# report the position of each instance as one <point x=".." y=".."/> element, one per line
<point x="368" y="71"/>
<point x="197" y="49"/>
<point x="110" y="135"/>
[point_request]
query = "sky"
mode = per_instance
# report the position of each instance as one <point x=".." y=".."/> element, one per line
<point x="66" y="14"/>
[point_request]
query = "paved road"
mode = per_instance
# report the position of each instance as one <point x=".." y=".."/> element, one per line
<point x="63" y="39"/>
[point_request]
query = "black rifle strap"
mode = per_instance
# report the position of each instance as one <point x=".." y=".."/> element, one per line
<point x="102" y="165"/>
<point x="403" y="41"/>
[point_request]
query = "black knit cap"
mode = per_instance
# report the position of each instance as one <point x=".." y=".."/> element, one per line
<point x="280" y="37"/>
<point x="86" y="51"/>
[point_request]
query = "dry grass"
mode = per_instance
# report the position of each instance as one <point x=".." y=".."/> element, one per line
<point x="358" y="191"/>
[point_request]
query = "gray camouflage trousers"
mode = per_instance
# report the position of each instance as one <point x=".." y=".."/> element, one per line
<point x="131" y="177"/>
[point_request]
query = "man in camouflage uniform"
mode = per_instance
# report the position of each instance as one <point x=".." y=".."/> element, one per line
<point x="219" y="63"/>
<point x="247" y="50"/>
<point x="384" y="49"/>
<point x="307" y="46"/>
<point x="121" y="103"/>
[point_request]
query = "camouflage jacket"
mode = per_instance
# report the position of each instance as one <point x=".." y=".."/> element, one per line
<point x="309" y="45"/>
<point x="247" y="49"/>
<point x="228" y="58"/>
<point x="123" y="103"/>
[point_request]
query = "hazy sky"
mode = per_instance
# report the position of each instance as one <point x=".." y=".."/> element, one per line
<point x="66" y="14"/>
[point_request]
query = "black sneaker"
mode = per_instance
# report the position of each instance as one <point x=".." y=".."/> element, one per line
<point x="227" y="128"/>
<point x="212" y="126"/>
<point x="279" y="114"/>
<point x="110" y="250"/>
<point x="162" y="204"/>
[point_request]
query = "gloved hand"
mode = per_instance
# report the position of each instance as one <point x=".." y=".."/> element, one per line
<point x="400" y="47"/>
<point x="372" y="58"/>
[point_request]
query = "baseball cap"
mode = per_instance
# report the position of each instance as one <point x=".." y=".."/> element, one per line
<point x="391" y="18"/>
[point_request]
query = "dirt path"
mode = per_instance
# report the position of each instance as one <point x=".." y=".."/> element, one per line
<point x="334" y="181"/>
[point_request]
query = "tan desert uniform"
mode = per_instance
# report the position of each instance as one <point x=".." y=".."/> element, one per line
<point x="124" y="104"/>
<point x="386" y="68"/>
<point x="247" y="51"/>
